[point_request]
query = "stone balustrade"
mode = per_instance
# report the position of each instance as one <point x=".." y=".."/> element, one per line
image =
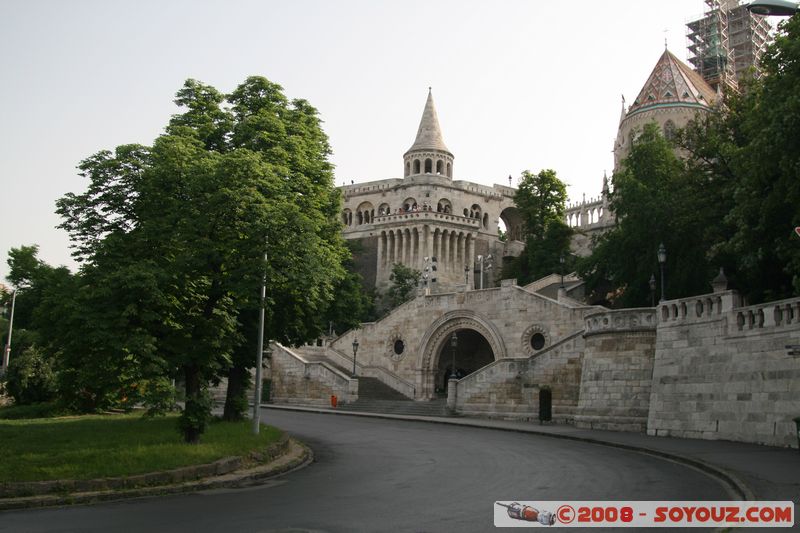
<point x="620" y="321"/>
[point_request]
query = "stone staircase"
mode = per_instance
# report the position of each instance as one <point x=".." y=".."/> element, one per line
<point x="376" y="397"/>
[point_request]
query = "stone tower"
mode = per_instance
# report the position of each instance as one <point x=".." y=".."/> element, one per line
<point x="427" y="219"/>
<point x="671" y="97"/>
<point x="428" y="154"/>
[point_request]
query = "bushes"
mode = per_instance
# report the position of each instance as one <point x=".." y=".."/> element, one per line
<point x="30" y="377"/>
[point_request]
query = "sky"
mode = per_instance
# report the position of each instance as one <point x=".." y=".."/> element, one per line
<point x="518" y="84"/>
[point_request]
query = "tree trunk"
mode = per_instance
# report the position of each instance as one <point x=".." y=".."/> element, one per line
<point x="191" y="425"/>
<point x="236" y="394"/>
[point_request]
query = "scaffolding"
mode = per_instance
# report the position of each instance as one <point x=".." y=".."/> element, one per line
<point x="726" y="43"/>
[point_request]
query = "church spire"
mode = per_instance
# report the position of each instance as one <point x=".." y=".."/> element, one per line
<point x="428" y="154"/>
<point x="429" y="134"/>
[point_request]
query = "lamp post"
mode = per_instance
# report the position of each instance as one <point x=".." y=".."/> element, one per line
<point x="259" y="354"/>
<point x="662" y="261"/>
<point x="7" y="351"/>
<point x="453" y="345"/>
<point x="466" y="276"/>
<point x="561" y="262"/>
<point x="652" y="290"/>
<point x="776" y="8"/>
<point x="355" y="351"/>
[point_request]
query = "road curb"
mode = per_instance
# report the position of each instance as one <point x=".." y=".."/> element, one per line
<point x="730" y="481"/>
<point x="297" y="455"/>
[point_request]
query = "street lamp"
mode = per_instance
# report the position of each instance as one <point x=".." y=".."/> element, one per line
<point x="453" y="345"/>
<point x="561" y="262"/>
<point x="652" y="290"/>
<point x="260" y="353"/>
<point x="775" y="8"/>
<point x="355" y="351"/>
<point x="662" y="261"/>
<point x="7" y="352"/>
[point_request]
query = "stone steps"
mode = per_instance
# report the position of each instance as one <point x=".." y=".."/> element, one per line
<point x="375" y="389"/>
<point x="398" y="407"/>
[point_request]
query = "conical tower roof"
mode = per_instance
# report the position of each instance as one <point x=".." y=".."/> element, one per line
<point x="429" y="134"/>
<point x="673" y="83"/>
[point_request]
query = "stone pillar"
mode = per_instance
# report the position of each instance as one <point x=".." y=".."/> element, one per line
<point x="444" y="261"/>
<point x="452" y="388"/>
<point x="396" y="239"/>
<point x="471" y="261"/>
<point x="379" y="270"/>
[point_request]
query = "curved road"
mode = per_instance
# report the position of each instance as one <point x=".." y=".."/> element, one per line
<point x="382" y="475"/>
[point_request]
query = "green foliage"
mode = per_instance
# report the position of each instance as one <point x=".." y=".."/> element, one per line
<point x="352" y="303"/>
<point x="173" y="239"/>
<point x="541" y="200"/>
<point x="30" y="378"/>
<point x="404" y="281"/>
<point x="656" y="200"/>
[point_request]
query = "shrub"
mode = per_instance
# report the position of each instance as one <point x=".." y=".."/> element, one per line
<point x="30" y="378"/>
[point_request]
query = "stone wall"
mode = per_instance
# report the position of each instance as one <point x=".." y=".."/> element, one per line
<point x="617" y="370"/>
<point x="509" y="388"/>
<point x="722" y="371"/>
<point x="508" y="317"/>
<point x="296" y="380"/>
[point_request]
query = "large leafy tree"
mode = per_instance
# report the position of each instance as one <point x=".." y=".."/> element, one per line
<point x="191" y="219"/>
<point x="541" y="200"/>
<point x="657" y="200"/>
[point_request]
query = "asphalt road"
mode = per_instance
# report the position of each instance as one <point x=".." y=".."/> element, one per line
<point x="376" y="475"/>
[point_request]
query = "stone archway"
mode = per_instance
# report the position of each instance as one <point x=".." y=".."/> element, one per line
<point x="436" y="339"/>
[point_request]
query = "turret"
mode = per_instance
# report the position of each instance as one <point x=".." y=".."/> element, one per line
<point x="428" y="154"/>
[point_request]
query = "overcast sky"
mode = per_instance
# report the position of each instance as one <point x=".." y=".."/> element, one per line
<point x="518" y="84"/>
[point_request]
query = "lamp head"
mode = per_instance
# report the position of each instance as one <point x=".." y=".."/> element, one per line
<point x="662" y="253"/>
<point x="775" y="8"/>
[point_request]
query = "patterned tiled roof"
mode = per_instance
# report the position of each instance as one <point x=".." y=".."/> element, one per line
<point x="673" y="82"/>
<point x="429" y="134"/>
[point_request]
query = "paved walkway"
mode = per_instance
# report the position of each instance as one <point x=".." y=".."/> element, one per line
<point x="753" y="472"/>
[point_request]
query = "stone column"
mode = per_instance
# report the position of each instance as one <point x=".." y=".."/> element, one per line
<point x="452" y="388"/>
<point x="471" y="261"/>
<point x="379" y="270"/>
<point x="444" y="260"/>
<point x="396" y="239"/>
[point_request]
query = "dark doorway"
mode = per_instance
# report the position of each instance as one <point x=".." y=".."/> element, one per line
<point x="472" y="353"/>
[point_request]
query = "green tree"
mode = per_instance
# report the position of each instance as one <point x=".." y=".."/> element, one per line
<point x="541" y="200"/>
<point x="656" y="200"/>
<point x="403" y="285"/>
<point x="190" y="220"/>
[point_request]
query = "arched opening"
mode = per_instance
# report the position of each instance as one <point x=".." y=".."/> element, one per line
<point x="439" y="167"/>
<point x="384" y="209"/>
<point x="444" y="206"/>
<point x="410" y="204"/>
<point x="416" y="166"/>
<point x="472" y="352"/>
<point x="408" y="169"/>
<point x="512" y="219"/>
<point x="486" y="221"/>
<point x="428" y="166"/>
<point x="449" y="170"/>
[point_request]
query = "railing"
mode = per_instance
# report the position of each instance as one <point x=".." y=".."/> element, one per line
<point x="339" y="381"/>
<point x="768" y="315"/>
<point x="620" y="320"/>
<point x="698" y="308"/>
<point x="424" y="215"/>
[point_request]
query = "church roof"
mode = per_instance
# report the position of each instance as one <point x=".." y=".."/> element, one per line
<point x="673" y="83"/>
<point x="429" y="134"/>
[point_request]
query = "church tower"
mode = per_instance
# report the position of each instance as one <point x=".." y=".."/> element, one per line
<point x="671" y="97"/>
<point x="428" y="154"/>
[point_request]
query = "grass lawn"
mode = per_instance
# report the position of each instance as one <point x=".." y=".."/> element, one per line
<point x="94" y="446"/>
